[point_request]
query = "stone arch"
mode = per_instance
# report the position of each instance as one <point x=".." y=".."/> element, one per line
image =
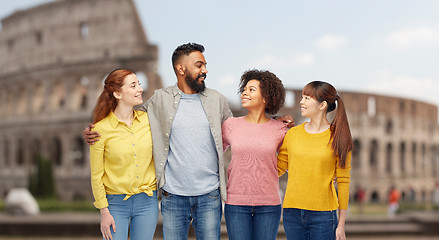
<point x="20" y="152"/>
<point x="374" y="197"/>
<point x="7" y="153"/>
<point x="423" y="160"/>
<point x="389" y="127"/>
<point x="56" y="151"/>
<point x="389" y="156"/>
<point x="35" y="151"/>
<point x="21" y="103"/>
<point x="80" y="95"/>
<point x="84" y="30"/>
<point x="356" y="153"/>
<point x="371" y="106"/>
<point x="373" y="156"/>
<point x="78" y="153"/>
<point x="38" y="98"/>
<point x="58" y="95"/>
<point x="10" y="105"/>
<point x="402" y="157"/>
<point x="403" y="196"/>
<point x="412" y="161"/>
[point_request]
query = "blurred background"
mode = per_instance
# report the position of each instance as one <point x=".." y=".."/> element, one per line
<point x="54" y="56"/>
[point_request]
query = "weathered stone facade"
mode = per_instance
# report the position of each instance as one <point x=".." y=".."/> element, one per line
<point x="54" y="59"/>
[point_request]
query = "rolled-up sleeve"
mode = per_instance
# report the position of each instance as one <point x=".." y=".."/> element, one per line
<point x="97" y="171"/>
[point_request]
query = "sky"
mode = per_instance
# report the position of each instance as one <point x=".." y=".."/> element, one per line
<point x="386" y="47"/>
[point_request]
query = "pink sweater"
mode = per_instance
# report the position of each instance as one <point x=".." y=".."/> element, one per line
<point x="252" y="173"/>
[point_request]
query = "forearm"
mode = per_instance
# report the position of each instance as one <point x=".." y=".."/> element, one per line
<point x="341" y="217"/>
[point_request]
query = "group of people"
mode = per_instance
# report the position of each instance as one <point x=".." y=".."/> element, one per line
<point x="174" y="145"/>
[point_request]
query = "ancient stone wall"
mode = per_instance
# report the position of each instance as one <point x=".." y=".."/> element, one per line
<point x="54" y="59"/>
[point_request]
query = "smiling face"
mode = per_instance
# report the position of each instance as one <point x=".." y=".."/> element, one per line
<point x="310" y="107"/>
<point x="251" y="97"/>
<point x="195" y="71"/>
<point x="130" y="93"/>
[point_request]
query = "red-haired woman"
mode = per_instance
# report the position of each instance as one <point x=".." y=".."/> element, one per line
<point x="122" y="168"/>
<point x="314" y="153"/>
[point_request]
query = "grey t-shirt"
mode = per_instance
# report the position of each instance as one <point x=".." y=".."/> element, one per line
<point x="192" y="166"/>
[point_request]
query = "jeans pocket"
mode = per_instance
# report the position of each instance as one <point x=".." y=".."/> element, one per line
<point x="215" y="194"/>
<point x="166" y="194"/>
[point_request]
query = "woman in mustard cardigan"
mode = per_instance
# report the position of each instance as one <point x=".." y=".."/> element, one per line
<point x="314" y="153"/>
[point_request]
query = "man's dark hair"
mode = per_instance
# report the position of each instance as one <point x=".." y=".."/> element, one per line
<point x="271" y="86"/>
<point x="185" y="49"/>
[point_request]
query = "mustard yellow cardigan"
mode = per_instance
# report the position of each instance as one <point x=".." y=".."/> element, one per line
<point x="312" y="168"/>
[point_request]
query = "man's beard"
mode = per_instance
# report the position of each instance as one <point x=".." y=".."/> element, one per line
<point x="193" y="83"/>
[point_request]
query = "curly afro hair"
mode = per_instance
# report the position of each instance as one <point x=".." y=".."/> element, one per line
<point x="272" y="89"/>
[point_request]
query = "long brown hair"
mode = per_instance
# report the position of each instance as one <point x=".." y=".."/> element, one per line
<point x="106" y="102"/>
<point x="340" y="131"/>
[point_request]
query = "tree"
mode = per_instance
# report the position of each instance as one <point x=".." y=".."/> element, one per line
<point x="41" y="181"/>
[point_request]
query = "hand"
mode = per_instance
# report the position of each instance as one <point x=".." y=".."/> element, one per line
<point x="288" y="120"/>
<point x="89" y="136"/>
<point x="340" y="234"/>
<point x="107" y="220"/>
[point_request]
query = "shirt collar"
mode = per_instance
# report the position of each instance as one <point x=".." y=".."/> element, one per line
<point x="114" y="121"/>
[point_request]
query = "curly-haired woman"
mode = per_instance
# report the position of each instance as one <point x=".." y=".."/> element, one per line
<point x="253" y="206"/>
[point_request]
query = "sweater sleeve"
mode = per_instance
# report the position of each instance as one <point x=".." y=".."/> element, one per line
<point x="225" y="132"/>
<point x="343" y="179"/>
<point x="282" y="157"/>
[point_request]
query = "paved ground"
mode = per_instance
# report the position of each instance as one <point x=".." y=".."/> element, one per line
<point x="357" y="227"/>
<point x="349" y="238"/>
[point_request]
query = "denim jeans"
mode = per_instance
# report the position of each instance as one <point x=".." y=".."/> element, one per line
<point x="302" y="224"/>
<point x="139" y="213"/>
<point x="252" y="222"/>
<point x="205" y="212"/>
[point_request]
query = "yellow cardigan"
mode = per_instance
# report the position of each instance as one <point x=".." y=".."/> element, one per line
<point x="312" y="168"/>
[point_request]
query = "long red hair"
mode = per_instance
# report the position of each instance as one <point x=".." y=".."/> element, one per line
<point x="106" y="102"/>
<point x="340" y="132"/>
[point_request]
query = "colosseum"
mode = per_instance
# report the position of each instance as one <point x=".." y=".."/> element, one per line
<point x="52" y="71"/>
<point x="53" y="68"/>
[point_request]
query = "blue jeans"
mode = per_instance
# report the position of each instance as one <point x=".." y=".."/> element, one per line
<point x="252" y="222"/>
<point x="302" y="224"/>
<point x="205" y="212"/>
<point x="139" y="213"/>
